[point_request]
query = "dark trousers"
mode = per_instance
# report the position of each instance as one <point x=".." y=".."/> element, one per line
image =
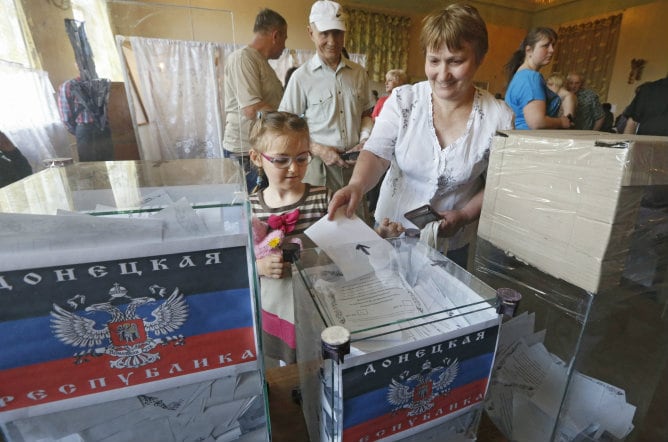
<point x="94" y="144"/>
<point x="459" y="256"/>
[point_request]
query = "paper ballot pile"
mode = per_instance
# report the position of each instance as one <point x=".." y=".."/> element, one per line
<point x="528" y="385"/>
<point x="566" y="202"/>
<point x="226" y="409"/>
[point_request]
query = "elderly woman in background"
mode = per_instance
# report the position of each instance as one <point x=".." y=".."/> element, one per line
<point x="434" y="136"/>
<point x="393" y="78"/>
<point x="535" y="106"/>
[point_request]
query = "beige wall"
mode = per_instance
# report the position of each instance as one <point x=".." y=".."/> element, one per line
<point x="244" y="12"/>
<point x="503" y="41"/>
<point x="643" y="33"/>
<point x="53" y="46"/>
<point x="226" y="20"/>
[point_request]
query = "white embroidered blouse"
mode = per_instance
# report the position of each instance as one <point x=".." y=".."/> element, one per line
<point x="420" y="171"/>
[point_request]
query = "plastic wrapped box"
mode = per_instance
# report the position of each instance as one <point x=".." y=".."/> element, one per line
<point x="567" y="201"/>
<point x="577" y="221"/>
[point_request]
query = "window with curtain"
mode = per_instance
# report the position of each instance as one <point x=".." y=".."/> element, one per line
<point x="383" y="38"/>
<point x="28" y="115"/>
<point x="589" y="49"/>
<point x="15" y="46"/>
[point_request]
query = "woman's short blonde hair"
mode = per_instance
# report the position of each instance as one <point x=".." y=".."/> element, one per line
<point x="452" y="26"/>
<point x="399" y="75"/>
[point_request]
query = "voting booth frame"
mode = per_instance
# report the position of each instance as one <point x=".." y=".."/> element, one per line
<point x="130" y="325"/>
<point x="597" y="297"/>
<point x="401" y="377"/>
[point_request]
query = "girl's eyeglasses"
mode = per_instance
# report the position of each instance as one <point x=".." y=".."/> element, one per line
<point x="283" y="162"/>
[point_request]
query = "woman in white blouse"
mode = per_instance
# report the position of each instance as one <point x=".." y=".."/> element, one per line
<point x="434" y="136"/>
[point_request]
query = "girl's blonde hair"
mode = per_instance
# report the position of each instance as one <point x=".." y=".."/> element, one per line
<point x="269" y="124"/>
<point x="556" y="79"/>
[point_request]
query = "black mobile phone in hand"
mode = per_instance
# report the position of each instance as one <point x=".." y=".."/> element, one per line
<point x="350" y="156"/>
<point x="422" y="216"/>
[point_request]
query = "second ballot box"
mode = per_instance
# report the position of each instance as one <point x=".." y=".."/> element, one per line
<point x="394" y="342"/>
<point x="577" y="222"/>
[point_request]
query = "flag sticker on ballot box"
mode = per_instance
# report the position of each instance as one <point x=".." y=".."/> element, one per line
<point x="403" y="391"/>
<point x="114" y="326"/>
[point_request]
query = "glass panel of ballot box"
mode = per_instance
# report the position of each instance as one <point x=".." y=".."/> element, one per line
<point x="128" y="305"/>
<point x="577" y="223"/>
<point x="394" y="342"/>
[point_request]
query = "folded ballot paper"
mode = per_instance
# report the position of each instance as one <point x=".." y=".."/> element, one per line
<point x="566" y="202"/>
<point x="528" y="384"/>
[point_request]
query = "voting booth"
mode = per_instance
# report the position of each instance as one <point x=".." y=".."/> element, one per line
<point x="129" y="305"/>
<point x="394" y="342"/>
<point x="576" y="221"/>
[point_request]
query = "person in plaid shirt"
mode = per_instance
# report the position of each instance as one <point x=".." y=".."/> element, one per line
<point x="83" y="110"/>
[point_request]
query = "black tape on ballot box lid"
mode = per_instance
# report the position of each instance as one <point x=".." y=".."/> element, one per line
<point x="335" y="343"/>
<point x="507" y="301"/>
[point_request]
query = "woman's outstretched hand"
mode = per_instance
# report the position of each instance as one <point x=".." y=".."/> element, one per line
<point x="349" y="197"/>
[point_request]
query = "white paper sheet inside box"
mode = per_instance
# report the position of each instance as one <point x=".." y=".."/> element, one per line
<point x="566" y="201"/>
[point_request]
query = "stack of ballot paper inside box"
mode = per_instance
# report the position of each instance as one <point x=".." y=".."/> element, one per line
<point x="224" y="409"/>
<point x="566" y="202"/>
<point x="527" y="393"/>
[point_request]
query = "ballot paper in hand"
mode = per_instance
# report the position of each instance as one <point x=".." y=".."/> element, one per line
<point x="352" y="245"/>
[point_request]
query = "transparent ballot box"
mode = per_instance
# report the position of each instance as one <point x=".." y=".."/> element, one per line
<point x="129" y="305"/>
<point x="577" y="223"/>
<point x="393" y="341"/>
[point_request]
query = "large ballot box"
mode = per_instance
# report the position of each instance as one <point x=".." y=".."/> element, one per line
<point x="128" y="305"/>
<point x="577" y="223"/>
<point x="394" y="342"/>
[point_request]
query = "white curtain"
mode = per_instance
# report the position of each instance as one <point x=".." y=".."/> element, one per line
<point x="29" y="114"/>
<point x="182" y="94"/>
<point x="180" y="89"/>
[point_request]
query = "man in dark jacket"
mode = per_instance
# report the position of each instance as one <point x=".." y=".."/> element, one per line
<point x="648" y="112"/>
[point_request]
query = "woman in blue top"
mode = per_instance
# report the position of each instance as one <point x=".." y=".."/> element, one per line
<point x="535" y="106"/>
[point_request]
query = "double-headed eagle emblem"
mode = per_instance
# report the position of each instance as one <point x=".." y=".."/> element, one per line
<point x="417" y="392"/>
<point x="126" y="334"/>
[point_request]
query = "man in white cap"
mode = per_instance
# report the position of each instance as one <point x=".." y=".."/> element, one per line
<point x="333" y="94"/>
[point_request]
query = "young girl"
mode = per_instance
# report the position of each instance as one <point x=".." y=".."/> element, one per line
<point x="280" y="150"/>
<point x="569" y="101"/>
